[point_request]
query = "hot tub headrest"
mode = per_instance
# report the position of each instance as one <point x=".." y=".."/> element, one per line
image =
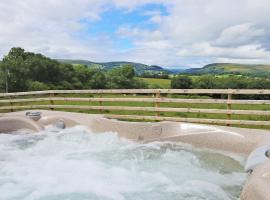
<point x="257" y="156"/>
<point x="13" y="123"/>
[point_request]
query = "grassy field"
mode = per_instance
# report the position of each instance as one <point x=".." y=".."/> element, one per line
<point x="157" y="82"/>
<point x="165" y="114"/>
<point x="234" y="68"/>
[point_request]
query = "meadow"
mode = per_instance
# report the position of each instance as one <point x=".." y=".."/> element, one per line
<point x="156" y="82"/>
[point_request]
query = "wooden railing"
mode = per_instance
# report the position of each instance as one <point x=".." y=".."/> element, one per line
<point x="14" y="101"/>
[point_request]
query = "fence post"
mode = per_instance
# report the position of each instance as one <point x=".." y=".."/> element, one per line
<point x="11" y="104"/>
<point x="229" y="107"/>
<point x="100" y="104"/>
<point x="51" y="101"/>
<point x="157" y="104"/>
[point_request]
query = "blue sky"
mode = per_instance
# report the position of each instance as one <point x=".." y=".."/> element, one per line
<point x="171" y="33"/>
<point x="112" y="19"/>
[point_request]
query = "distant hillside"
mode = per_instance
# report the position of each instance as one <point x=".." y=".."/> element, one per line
<point x="215" y="68"/>
<point x="177" y="70"/>
<point x="230" y="68"/>
<point x="139" y="68"/>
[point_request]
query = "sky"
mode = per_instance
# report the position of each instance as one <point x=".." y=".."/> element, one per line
<point x="169" y="33"/>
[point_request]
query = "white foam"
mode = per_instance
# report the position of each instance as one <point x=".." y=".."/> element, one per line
<point x="78" y="164"/>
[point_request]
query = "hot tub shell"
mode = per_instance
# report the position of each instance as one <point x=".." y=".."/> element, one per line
<point x="237" y="140"/>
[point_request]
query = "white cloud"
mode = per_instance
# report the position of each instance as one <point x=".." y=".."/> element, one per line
<point x="240" y="34"/>
<point x="193" y="32"/>
<point x="240" y="52"/>
<point x="130" y="5"/>
<point x="211" y="30"/>
<point x="47" y="26"/>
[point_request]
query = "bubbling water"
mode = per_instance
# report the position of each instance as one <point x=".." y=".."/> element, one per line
<point x="76" y="164"/>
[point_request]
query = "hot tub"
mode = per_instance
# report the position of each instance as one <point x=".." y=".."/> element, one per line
<point x="65" y="155"/>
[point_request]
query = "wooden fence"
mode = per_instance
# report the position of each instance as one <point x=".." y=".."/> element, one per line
<point x="15" y="101"/>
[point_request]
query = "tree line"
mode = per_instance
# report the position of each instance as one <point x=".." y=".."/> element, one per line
<point x="219" y="82"/>
<point x="222" y="82"/>
<point x="27" y="71"/>
<point x="161" y="75"/>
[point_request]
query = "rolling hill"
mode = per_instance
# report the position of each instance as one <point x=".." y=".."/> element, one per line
<point x="215" y="68"/>
<point x="139" y="68"/>
<point x="231" y="68"/>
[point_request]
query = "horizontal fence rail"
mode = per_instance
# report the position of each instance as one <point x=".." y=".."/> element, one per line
<point x="14" y="101"/>
<point x="148" y="100"/>
<point x="143" y="91"/>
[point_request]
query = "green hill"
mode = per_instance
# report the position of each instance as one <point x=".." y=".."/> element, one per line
<point x="139" y="68"/>
<point x="231" y="68"/>
<point x="215" y="68"/>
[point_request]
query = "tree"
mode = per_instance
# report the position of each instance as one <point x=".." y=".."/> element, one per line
<point x="122" y="77"/>
<point x="30" y="71"/>
<point x="205" y="82"/>
<point x="181" y="82"/>
<point x="14" y="63"/>
<point x="98" y="81"/>
<point x="128" y="71"/>
<point x="37" y="86"/>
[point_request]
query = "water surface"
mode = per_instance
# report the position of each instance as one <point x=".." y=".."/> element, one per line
<point x="76" y="164"/>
